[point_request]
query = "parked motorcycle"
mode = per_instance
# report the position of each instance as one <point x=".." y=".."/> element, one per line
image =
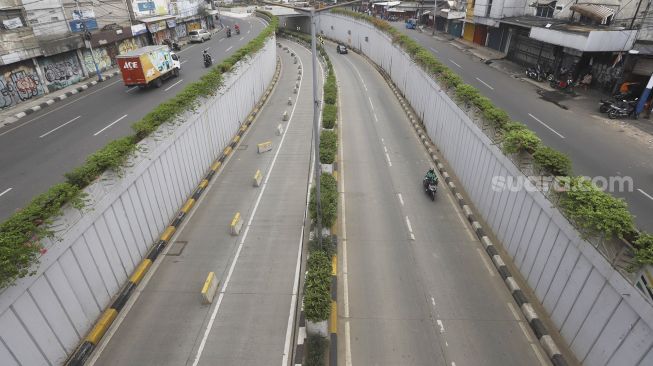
<point x="567" y="84"/>
<point x="538" y="73"/>
<point x="172" y="44"/>
<point x="618" y="99"/>
<point x="430" y="187"/>
<point x="625" y="109"/>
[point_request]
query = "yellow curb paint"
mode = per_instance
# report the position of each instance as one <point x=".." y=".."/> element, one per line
<point x="334" y="265"/>
<point x="216" y="166"/>
<point x="204" y="183"/>
<point x="250" y="118"/>
<point x="207" y="283"/>
<point x="188" y="205"/>
<point x="101" y="326"/>
<point x="243" y="128"/>
<point x="168" y="233"/>
<point x="335" y="175"/>
<point x="333" y="319"/>
<point x="227" y="151"/>
<point x="140" y="271"/>
<point x="236" y="139"/>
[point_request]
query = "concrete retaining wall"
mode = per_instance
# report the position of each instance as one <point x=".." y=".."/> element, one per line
<point x="604" y="319"/>
<point x="43" y="317"/>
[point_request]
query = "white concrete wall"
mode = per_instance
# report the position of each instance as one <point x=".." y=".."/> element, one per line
<point x="43" y="317"/>
<point x="605" y="320"/>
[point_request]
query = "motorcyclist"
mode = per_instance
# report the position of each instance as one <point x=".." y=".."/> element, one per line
<point x="431" y="177"/>
<point x="237" y="28"/>
<point x="207" y="57"/>
<point x="228" y="31"/>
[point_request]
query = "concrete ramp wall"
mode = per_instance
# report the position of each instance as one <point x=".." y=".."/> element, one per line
<point x="44" y="317"/>
<point x="604" y="319"/>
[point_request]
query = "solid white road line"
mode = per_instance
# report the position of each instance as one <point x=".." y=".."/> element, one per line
<point x="110" y="124"/>
<point x="484" y="83"/>
<point x="646" y="194"/>
<point x="525" y="331"/>
<point x="410" y="228"/>
<point x="230" y="47"/>
<point x="5" y="191"/>
<point x="173" y="85"/>
<point x="387" y="157"/>
<point x="131" y="89"/>
<point x="485" y="261"/>
<point x="401" y="199"/>
<point x="454" y="62"/>
<point x="54" y="129"/>
<point x="471" y="235"/>
<point x="434" y="50"/>
<point x="209" y="326"/>
<point x="547" y="126"/>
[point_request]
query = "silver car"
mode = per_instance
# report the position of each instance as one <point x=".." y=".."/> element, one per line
<point x="199" y="35"/>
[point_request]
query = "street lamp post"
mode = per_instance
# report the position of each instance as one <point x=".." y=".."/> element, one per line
<point x="316" y="110"/>
<point x="90" y="45"/>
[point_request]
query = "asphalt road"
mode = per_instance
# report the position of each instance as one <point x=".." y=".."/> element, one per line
<point x="595" y="150"/>
<point x="415" y="286"/>
<point x="37" y="151"/>
<point x="249" y="322"/>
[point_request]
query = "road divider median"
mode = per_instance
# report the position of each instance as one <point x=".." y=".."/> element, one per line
<point x="258" y="177"/>
<point x="264" y="147"/>
<point x="236" y="224"/>
<point x="210" y="288"/>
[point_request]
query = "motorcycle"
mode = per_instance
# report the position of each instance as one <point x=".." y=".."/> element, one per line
<point x="237" y="30"/>
<point x="172" y="44"/>
<point x="538" y="73"/>
<point x="208" y="61"/>
<point x="430" y="188"/>
<point x="605" y="105"/>
<point x="566" y="84"/>
<point x="625" y="109"/>
<point x="228" y="33"/>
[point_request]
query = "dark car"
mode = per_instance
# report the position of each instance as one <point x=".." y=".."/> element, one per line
<point x="341" y="48"/>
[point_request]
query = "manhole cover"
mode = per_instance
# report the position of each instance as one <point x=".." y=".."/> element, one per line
<point x="176" y="248"/>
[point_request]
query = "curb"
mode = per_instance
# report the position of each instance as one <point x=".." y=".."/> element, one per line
<point x="93" y="338"/>
<point x="536" y="324"/>
<point x="61" y="97"/>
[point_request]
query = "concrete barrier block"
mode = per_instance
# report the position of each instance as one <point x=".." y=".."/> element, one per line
<point x="284" y="116"/>
<point x="289" y="100"/>
<point x="264" y="147"/>
<point x="236" y="224"/>
<point x="294" y="91"/>
<point x="210" y="288"/>
<point x="258" y="178"/>
<point x="279" y="130"/>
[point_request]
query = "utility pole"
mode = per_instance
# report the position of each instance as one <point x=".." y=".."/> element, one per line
<point x="435" y="12"/>
<point x="632" y="22"/>
<point x="87" y="33"/>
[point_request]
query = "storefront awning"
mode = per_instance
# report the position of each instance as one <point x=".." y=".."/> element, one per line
<point x="156" y="19"/>
<point x="387" y="3"/>
<point x="599" y="13"/>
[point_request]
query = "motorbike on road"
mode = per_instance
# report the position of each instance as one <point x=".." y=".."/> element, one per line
<point x="208" y="60"/>
<point x="430" y="187"/>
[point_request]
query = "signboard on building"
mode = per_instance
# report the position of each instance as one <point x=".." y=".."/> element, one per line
<point x="144" y="8"/>
<point x="12" y="23"/>
<point x="138" y="29"/>
<point x="79" y="26"/>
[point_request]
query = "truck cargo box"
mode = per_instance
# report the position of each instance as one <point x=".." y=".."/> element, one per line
<point x="147" y="64"/>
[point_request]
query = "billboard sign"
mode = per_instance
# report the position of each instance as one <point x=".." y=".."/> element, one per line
<point x="78" y="26"/>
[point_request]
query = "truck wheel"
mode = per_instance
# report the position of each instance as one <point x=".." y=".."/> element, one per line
<point x="157" y="83"/>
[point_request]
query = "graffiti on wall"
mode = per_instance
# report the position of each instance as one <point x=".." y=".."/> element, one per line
<point x="18" y="84"/>
<point x="181" y="30"/>
<point x="101" y="57"/>
<point x="61" y="71"/>
<point x="127" y="45"/>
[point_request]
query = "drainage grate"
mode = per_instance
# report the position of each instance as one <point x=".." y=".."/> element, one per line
<point x="176" y="248"/>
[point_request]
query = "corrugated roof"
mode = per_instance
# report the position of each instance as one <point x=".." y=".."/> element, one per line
<point x="599" y="13"/>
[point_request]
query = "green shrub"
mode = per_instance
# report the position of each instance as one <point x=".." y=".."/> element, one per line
<point x="21" y="233"/>
<point x="467" y="94"/>
<point x="328" y="146"/>
<point x="112" y="156"/>
<point x="594" y="211"/>
<point x="329" y="113"/>
<point x="449" y="79"/>
<point x="317" y="287"/>
<point x="329" y="201"/>
<point x="514" y="126"/>
<point x="516" y="141"/>
<point x="644" y="249"/>
<point x="552" y="161"/>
